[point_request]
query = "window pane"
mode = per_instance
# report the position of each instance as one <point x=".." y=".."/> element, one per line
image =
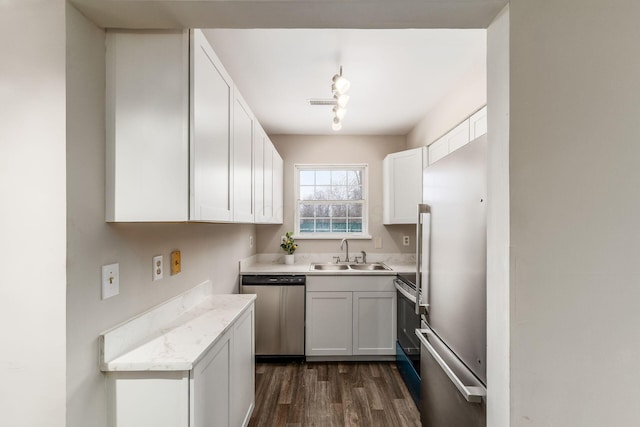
<point x="323" y="177"/>
<point x="306" y="211"/>
<point x="338" y="177"/>
<point x="306" y="226"/>
<point x="338" y="211"/>
<point x="354" y="177"/>
<point x="355" y="226"/>
<point x="322" y="211"/>
<point x="355" y="210"/>
<point x="307" y="177"/>
<point x="322" y="193"/>
<point x="307" y="192"/>
<point x="355" y="193"/>
<point x="339" y="225"/>
<point x="322" y="226"/>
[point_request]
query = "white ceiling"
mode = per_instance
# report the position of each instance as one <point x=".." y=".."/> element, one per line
<point x="396" y="75"/>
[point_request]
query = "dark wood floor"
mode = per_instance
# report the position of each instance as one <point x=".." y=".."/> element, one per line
<point x="332" y="394"/>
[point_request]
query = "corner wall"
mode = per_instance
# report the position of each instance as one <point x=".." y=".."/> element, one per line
<point x="575" y="209"/>
<point x="209" y="251"/>
<point x="32" y="213"/>
<point x="307" y="149"/>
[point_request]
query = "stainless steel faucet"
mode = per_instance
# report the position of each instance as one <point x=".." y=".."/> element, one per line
<point x="345" y="242"/>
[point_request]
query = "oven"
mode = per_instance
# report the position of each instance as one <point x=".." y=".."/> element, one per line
<point x="408" y="344"/>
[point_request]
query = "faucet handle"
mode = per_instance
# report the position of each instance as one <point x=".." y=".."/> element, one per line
<point x="356" y="259"/>
<point x="336" y="259"/>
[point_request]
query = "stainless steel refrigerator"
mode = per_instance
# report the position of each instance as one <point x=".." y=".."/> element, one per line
<point x="451" y="238"/>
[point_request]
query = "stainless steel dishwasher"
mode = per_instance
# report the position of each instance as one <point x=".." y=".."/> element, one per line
<point x="279" y="311"/>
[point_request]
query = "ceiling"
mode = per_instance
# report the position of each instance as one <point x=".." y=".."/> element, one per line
<point x="396" y="76"/>
<point x="282" y="52"/>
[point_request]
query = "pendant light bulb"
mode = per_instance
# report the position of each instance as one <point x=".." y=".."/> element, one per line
<point x="339" y="112"/>
<point x="336" y="124"/>
<point x="340" y="85"/>
<point x="342" y="100"/>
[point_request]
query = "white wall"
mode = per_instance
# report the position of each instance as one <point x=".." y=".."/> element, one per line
<point x="498" y="303"/>
<point x="32" y="213"/>
<point x="468" y="96"/>
<point x="575" y="212"/>
<point x="344" y="149"/>
<point x="209" y="251"/>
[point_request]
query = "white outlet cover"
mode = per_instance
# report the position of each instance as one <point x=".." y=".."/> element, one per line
<point x="405" y="240"/>
<point x="110" y="280"/>
<point x="158" y="267"/>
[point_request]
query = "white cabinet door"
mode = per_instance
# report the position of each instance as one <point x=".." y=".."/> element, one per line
<point x="374" y="323"/>
<point x="329" y="320"/>
<point x="438" y="149"/>
<point x="267" y="181"/>
<point x="147" y="126"/>
<point x="478" y="124"/>
<point x="211" y="136"/>
<point x="243" y="125"/>
<point x="243" y="370"/>
<point x="159" y="399"/>
<point x="258" y="174"/>
<point x="459" y="136"/>
<point x="210" y="386"/>
<point x="278" y="188"/>
<point x="402" y="186"/>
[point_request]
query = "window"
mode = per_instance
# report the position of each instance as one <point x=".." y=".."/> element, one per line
<point x="331" y="201"/>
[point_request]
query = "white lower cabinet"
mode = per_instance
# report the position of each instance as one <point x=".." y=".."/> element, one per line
<point x="218" y="391"/>
<point x="374" y="323"/>
<point x="329" y="318"/>
<point x="344" y="320"/>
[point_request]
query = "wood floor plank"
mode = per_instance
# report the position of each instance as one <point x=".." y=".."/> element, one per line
<point x="332" y="394"/>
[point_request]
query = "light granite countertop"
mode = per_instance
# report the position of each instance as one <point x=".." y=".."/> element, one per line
<point x="273" y="264"/>
<point x="172" y="336"/>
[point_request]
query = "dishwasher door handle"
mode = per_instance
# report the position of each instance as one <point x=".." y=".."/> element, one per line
<point x="472" y="394"/>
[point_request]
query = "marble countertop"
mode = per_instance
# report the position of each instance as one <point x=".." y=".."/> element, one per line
<point x="305" y="268"/>
<point x="273" y="264"/>
<point x="180" y="341"/>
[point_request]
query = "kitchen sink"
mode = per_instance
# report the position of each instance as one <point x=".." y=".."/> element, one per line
<point x="342" y="267"/>
<point x="369" y="267"/>
<point x="329" y="267"/>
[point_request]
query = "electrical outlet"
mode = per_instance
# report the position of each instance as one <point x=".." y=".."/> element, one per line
<point x="405" y="240"/>
<point x="283" y="238"/>
<point x="158" y="267"/>
<point x="110" y="280"/>
<point x="250" y="241"/>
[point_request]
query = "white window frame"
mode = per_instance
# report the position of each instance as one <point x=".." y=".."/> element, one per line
<point x="364" y="234"/>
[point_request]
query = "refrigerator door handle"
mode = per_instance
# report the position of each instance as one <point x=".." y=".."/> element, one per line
<point x="422" y="299"/>
<point x="472" y="394"/>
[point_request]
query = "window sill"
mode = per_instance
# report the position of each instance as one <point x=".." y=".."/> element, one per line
<point x="329" y="236"/>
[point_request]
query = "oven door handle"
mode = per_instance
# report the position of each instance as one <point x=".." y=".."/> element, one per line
<point x="403" y="291"/>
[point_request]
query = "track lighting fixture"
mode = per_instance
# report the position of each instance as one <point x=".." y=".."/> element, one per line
<point x="339" y="87"/>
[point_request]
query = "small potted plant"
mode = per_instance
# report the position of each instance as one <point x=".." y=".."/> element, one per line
<point x="289" y="246"/>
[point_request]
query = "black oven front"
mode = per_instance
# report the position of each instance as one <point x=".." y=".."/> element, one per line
<point x="408" y="345"/>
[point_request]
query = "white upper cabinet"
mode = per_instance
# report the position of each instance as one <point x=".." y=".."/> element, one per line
<point x="467" y="131"/>
<point x="181" y="141"/>
<point x="478" y="123"/>
<point x="211" y="135"/>
<point x="402" y="185"/>
<point x="147" y="126"/>
<point x="278" y="187"/>
<point x="243" y="129"/>
<point x="268" y="180"/>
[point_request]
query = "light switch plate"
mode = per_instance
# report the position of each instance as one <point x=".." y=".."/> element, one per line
<point x="176" y="263"/>
<point x="377" y="242"/>
<point x="110" y="280"/>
